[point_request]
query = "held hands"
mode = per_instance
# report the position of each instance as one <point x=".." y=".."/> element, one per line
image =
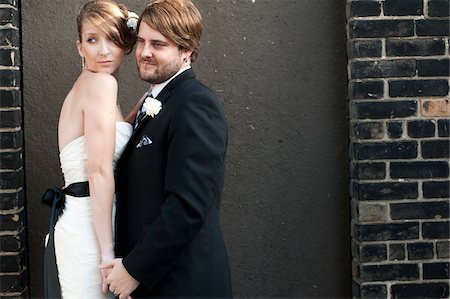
<point x="106" y="257"/>
<point x="120" y="282"/>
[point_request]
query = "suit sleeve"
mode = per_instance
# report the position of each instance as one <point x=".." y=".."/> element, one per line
<point x="195" y="163"/>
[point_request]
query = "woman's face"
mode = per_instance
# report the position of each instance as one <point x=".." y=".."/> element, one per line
<point x="101" y="54"/>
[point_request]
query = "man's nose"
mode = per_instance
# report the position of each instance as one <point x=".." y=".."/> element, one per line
<point x="147" y="51"/>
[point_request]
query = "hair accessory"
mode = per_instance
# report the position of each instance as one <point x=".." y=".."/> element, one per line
<point x="132" y="20"/>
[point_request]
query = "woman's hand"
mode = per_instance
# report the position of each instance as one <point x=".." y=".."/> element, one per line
<point x="106" y="257"/>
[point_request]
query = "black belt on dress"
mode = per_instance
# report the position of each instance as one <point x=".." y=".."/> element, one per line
<point x="55" y="198"/>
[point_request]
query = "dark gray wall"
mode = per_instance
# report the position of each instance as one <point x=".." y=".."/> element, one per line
<point x="280" y="68"/>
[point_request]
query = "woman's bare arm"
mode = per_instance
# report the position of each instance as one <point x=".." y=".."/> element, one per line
<point x="99" y="95"/>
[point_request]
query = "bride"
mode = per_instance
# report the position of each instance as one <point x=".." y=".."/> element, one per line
<point x="92" y="134"/>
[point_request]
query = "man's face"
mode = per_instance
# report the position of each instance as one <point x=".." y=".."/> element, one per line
<point x="157" y="57"/>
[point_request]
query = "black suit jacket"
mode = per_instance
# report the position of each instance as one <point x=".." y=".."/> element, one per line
<point x="168" y="197"/>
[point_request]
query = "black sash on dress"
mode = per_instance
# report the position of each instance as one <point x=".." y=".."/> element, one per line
<point x="55" y="198"/>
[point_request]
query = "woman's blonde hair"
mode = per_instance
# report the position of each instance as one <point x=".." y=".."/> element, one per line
<point x="178" y="20"/>
<point x="111" y="18"/>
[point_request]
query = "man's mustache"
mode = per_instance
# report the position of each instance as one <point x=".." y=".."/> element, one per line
<point x="147" y="61"/>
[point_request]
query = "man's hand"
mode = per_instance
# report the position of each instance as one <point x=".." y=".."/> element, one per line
<point x="120" y="282"/>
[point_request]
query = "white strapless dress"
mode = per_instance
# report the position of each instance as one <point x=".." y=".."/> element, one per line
<point x="76" y="247"/>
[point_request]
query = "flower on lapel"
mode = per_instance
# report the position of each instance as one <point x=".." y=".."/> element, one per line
<point x="152" y="106"/>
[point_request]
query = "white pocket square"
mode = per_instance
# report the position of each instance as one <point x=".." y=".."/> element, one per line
<point x="145" y="140"/>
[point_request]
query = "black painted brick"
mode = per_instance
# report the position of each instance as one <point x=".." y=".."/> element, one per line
<point x="11" y="140"/>
<point x="397" y="252"/>
<point x="364" y="8"/>
<point x="435" y="149"/>
<point x="419" y="170"/>
<point x="403" y="8"/>
<point x="6" y="57"/>
<point x="444" y="128"/>
<point x="14" y="200"/>
<point x="12" y="263"/>
<point x="394" y="129"/>
<point x="419" y="210"/>
<point x="11" y="180"/>
<point x="11" y="2"/>
<point x="12" y="243"/>
<point x="421" y="128"/>
<point x="368" y="171"/>
<point x="436" y="230"/>
<point x="438" y="8"/>
<point x="415" y="47"/>
<point x="9" y="78"/>
<point x="9" y="37"/>
<point x="433" y="67"/>
<point x="387" y="191"/>
<point x="436" y="271"/>
<point x="385" y="109"/>
<point x="420" y="251"/>
<point x="432" y="27"/>
<point x="11" y="160"/>
<point x="12" y="222"/>
<point x="373" y="253"/>
<point x="416" y="88"/>
<point x="368" y="130"/>
<point x="381" y="28"/>
<point x="373" y="291"/>
<point x="9" y="15"/>
<point x="385" y="150"/>
<point x="10" y="98"/>
<point x="367" y="90"/>
<point x="402" y="272"/>
<point x="387" y="231"/>
<point x="364" y="48"/>
<point x="13" y="283"/>
<point x="443" y="249"/>
<point x="383" y="69"/>
<point x="10" y="119"/>
<point x="420" y="290"/>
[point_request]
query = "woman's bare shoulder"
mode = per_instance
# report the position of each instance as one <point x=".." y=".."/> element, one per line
<point x="91" y="80"/>
<point x="93" y="87"/>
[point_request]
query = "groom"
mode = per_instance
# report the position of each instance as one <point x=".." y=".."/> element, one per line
<point x="170" y="176"/>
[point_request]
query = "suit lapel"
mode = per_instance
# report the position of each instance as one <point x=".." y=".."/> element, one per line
<point x="163" y="96"/>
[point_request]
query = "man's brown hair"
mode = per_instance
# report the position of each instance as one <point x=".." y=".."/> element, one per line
<point x="178" y="20"/>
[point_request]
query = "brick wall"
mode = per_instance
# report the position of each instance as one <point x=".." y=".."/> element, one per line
<point x="398" y="69"/>
<point x="13" y="252"/>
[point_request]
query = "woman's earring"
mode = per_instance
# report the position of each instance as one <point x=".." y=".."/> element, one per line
<point x="83" y="62"/>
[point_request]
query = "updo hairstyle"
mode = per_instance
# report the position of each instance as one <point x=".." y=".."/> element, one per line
<point x="111" y="18"/>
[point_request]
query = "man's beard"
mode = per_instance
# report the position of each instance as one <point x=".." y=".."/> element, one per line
<point x="161" y="73"/>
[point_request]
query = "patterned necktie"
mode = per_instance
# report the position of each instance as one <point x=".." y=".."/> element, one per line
<point x="141" y="112"/>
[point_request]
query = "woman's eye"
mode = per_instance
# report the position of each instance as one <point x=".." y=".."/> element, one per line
<point x="91" y="40"/>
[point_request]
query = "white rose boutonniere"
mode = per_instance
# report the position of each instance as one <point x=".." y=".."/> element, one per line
<point x="152" y="106"/>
